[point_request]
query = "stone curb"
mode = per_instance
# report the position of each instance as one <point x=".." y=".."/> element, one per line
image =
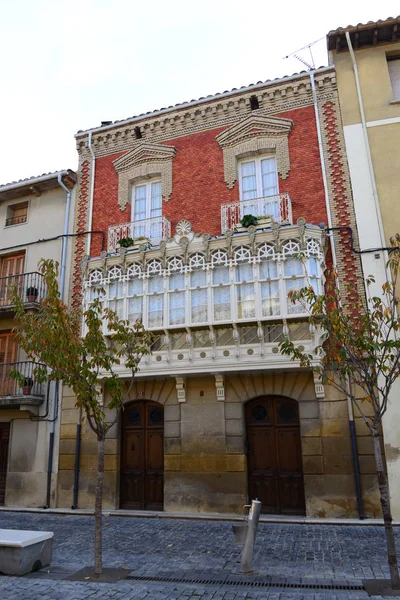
<point x="198" y="516"/>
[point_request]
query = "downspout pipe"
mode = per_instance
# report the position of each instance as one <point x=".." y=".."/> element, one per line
<point x="77" y="461"/>
<point x="93" y="170"/>
<point x="352" y="429"/>
<point x="56" y="391"/>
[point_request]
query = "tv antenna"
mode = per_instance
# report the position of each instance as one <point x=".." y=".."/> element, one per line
<point x="302" y="60"/>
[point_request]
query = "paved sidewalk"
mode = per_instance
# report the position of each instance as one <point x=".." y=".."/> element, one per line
<point x="195" y="550"/>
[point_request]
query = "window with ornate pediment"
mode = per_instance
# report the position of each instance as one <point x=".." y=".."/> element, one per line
<point x="253" y="137"/>
<point x="146" y="161"/>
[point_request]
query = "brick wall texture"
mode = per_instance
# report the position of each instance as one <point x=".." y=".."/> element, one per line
<point x="199" y="188"/>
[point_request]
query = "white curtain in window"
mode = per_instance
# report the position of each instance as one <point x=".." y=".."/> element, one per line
<point x="268" y="269"/>
<point x="313" y="274"/>
<point x="244" y="272"/>
<point x="135" y="286"/>
<point x="135" y="309"/>
<point x="156" y="310"/>
<point x="293" y="267"/>
<point x="294" y="284"/>
<point x="156" y="284"/>
<point x="220" y="275"/>
<point x="268" y="176"/>
<point x="249" y="180"/>
<point x="177" y="308"/>
<point x="270" y="299"/>
<point x="246" y="301"/>
<point x="140" y="202"/>
<point x="198" y="278"/>
<point x="222" y="303"/>
<point x="156" y="199"/>
<point x="199" y="312"/>
<point x="117" y="306"/>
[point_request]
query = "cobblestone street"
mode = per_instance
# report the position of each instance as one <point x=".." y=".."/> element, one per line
<point x="198" y="550"/>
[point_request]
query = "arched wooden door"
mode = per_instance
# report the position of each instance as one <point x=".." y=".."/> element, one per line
<point x="274" y="464"/>
<point x="142" y="456"/>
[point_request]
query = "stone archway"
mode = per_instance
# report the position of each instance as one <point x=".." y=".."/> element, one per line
<point x="274" y="460"/>
<point x="142" y="456"/>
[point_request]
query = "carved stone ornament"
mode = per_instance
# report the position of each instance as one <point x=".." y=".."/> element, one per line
<point x="145" y="160"/>
<point x="255" y="134"/>
<point x="184" y="227"/>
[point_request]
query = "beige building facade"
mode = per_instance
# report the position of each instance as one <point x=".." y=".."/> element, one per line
<point x="217" y="415"/>
<point x="367" y="63"/>
<point x="34" y="215"/>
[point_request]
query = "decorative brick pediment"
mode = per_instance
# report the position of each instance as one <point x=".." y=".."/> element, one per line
<point x="145" y="160"/>
<point x="256" y="134"/>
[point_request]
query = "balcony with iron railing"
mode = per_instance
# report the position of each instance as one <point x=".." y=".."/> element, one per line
<point x="278" y="208"/>
<point x="155" y="230"/>
<point x="22" y="391"/>
<point x="30" y="286"/>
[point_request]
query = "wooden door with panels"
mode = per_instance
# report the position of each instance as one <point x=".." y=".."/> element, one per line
<point x="8" y="355"/>
<point x="142" y="456"/>
<point x="274" y="462"/>
<point x="11" y="266"/>
<point x="4" y="438"/>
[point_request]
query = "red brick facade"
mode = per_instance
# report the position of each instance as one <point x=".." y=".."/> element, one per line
<point x="199" y="187"/>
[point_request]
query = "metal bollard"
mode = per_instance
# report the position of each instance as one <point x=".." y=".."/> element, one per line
<point x="246" y="564"/>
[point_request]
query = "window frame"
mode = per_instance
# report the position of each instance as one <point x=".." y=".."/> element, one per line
<point x="147" y="183"/>
<point x="257" y="160"/>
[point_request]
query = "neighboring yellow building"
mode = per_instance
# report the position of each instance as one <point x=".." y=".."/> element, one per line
<point x="367" y="62"/>
<point x="35" y="214"/>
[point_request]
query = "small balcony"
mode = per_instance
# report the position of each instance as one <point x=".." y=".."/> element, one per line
<point x="30" y="286"/>
<point x="155" y="229"/>
<point x="278" y="208"/>
<point x="12" y="393"/>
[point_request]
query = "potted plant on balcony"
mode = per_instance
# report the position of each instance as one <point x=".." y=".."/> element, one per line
<point x="248" y="220"/>
<point x="27" y="386"/>
<point x="32" y="294"/>
<point x="125" y="242"/>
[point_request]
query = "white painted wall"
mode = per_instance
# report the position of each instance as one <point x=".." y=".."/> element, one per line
<point x="374" y="264"/>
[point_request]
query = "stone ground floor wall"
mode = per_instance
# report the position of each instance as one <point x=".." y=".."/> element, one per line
<point x="204" y="447"/>
<point x="26" y="482"/>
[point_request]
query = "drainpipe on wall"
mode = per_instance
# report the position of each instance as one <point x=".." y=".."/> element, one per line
<point x="93" y="169"/>
<point x="352" y="429"/>
<point x="56" y="395"/>
<point x="77" y="461"/>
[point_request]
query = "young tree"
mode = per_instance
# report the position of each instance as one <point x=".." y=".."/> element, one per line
<point x="359" y="354"/>
<point x="84" y="362"/>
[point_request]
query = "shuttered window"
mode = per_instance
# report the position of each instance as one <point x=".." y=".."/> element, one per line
<point x="394" y="73"/>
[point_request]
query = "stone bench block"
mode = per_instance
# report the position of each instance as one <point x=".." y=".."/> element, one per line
<point x="24" y="551"/>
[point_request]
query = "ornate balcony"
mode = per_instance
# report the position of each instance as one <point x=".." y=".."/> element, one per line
<point x="156" y="229"/>
<point x="278" y="207"/>
<point x="12" y="393"/>
<point x="30" y="286"/>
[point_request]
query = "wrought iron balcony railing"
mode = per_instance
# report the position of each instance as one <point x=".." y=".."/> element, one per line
<point x="30" y="286"/>
<point x="156" y="229"/>
<point x="11" y="388"/>
<point x="278" y="207"/>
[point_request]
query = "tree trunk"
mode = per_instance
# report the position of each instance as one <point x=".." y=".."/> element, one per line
<point x="98" y="509"/>
<point x="386" y="510"/>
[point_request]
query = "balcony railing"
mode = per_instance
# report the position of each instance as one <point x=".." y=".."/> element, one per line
<point x="156" y="229"/>
<point x="11" y="389"/>
<point x="30" y="286"/>
<point x="278" y="207"/>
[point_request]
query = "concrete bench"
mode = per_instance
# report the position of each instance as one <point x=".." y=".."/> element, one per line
<point x="24" y="551"/>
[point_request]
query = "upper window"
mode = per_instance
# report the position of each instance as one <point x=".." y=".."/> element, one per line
<point x="146" y="200"/>
<point x="394" y="73"/>
<point x="17" y="214"/>
<point x="258" y="178"/>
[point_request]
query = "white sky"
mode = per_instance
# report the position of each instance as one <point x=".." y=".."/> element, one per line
<point x="70" y="64"/>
